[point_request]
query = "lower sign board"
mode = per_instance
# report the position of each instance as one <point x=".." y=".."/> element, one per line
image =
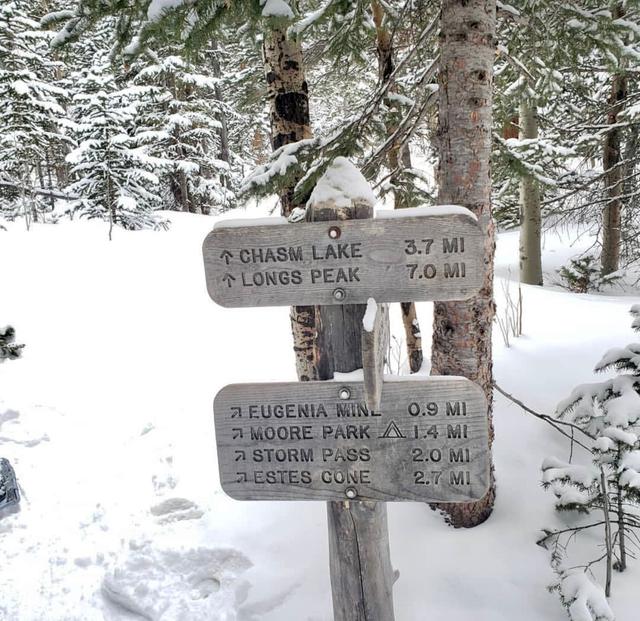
<point x="428" y="441"/>
<point x="427" y="253"/>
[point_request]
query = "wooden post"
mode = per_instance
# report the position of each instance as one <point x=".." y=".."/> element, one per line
<point x="361" y="572"/>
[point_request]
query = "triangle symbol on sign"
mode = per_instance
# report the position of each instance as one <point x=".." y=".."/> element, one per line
<point x="392" y="431"/>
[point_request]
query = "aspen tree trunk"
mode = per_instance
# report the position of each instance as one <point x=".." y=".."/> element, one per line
<point x="611" y="163"/>
<point x="531" y="218"/>
<point x="462" y="330"/>
<point x="384" y="48"/>
<point x="287" y="93"/>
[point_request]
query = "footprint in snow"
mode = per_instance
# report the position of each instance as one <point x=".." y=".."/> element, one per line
<point x="169" y="585"/>
<point x="21" y="429"/>
<point x="176" y="509"/>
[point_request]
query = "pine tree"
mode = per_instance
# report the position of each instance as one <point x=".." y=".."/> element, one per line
<point x="112" y="174"/>
<point x="608" y="415"/>
<point x="31" y="115"/>
<point x="179" y="119"/>
<point x="596" y="43"/>
<point x="9" y="349"/>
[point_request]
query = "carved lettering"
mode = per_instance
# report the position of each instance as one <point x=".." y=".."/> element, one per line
<point x="271" y="278"/>
<point x="455" y="270"/>
<point x="348" y="454"/>
<point x="353" y="477"/>
<point x="288" y="410"/>
<point x="337" y="251"/>
<point x="281" y="455"/>
<point x="292" y="432"/>
<point x="271" y="255"/>
<point x="282" y="477"/>
<point x="456" y="408"/>
<point x="460" y="477"/>
<point x="352" y="410"/>
<point x="346" y="432"/>
<point x="456" y="431"/>
<point x="335" y="275"/>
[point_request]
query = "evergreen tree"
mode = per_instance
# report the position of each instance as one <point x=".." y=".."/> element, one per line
<point x="112" y="174"/>
<point x="608" y="414"/>
<point x="179" y="119"/>
<point x="9" y="349"/>
<point x="31" y="115"/>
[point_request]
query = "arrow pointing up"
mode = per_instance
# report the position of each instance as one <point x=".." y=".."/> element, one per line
<point x="228" y="278"/>
<point x="226" y="255"/>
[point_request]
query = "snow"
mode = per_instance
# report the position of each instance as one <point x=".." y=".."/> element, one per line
<point x="342" y="183"/>
<point x="276" y="8"/>
<point x="234" y="223"/>
<point x="369" y="319"/>
<point x="107" y="420"/>
<point x="554" y="469"/>
<point x="157" y="8"/>
<point x="588" y="602"/>
<point x="621" y="436"/>
<point x="430" y="210"/>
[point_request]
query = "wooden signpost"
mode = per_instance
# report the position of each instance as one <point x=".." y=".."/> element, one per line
<point x="427" y="442"/>
<point x="420" y="256"/>
<point x="355" y="444"/>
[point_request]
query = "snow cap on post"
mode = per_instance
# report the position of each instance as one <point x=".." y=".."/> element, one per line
<point x="276" y="8"/>
<point x="343" y="185"/>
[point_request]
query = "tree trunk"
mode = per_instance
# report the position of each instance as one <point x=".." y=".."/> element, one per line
<point x="396" y="161"/>
<point x="223" y="132"/>
<point x="287" y="94"/>
<point x="462" y="330"/>
<point x="607" y="531"/>
<point x="622" y="534"/>
<point x="611" y="163"/>
<point x="531" y="219"/>
<point x="290" y="122"/>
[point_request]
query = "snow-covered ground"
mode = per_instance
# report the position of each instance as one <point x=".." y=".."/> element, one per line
<point x="107" y="420"/>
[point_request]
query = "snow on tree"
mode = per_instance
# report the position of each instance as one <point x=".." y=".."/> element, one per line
<point x="31" y="114"/>
<point x="607" y="414"/>
<point x="112" y="175"/>
<point x="179" y="120"/>
<point x="9" y="349"/>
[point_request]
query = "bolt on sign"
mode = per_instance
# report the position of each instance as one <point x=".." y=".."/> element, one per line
<point x="415" y="254"/>
<point x="427" y="442"/>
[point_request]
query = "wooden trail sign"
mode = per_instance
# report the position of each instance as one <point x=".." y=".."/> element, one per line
<point x="428" y="442"/>
<point x="416" y="254"/>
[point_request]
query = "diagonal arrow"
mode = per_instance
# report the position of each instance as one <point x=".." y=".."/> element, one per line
<point x="226" y="255"/>
<point x="228" y="278"/>
<point x="240" y="455"/>
<point x="242" y="477"/>
<point x="236" y="433"/>
<point x="236" y="412"/>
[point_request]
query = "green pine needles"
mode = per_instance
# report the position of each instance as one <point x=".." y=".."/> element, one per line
<point x="601" y="497"/>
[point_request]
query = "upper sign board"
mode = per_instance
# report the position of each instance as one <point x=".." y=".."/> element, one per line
<point x="393" y="258"/>
<point x="428" y="442"/>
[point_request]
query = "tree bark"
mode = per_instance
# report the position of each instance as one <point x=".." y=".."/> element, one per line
<point x="223" y="132"/>
<point x="531" y="219"/>
<point x="397" y="160"/>
<point x="611" y="163"/>
<point x="462" y="330"/>
<point x="287" y="92"/>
